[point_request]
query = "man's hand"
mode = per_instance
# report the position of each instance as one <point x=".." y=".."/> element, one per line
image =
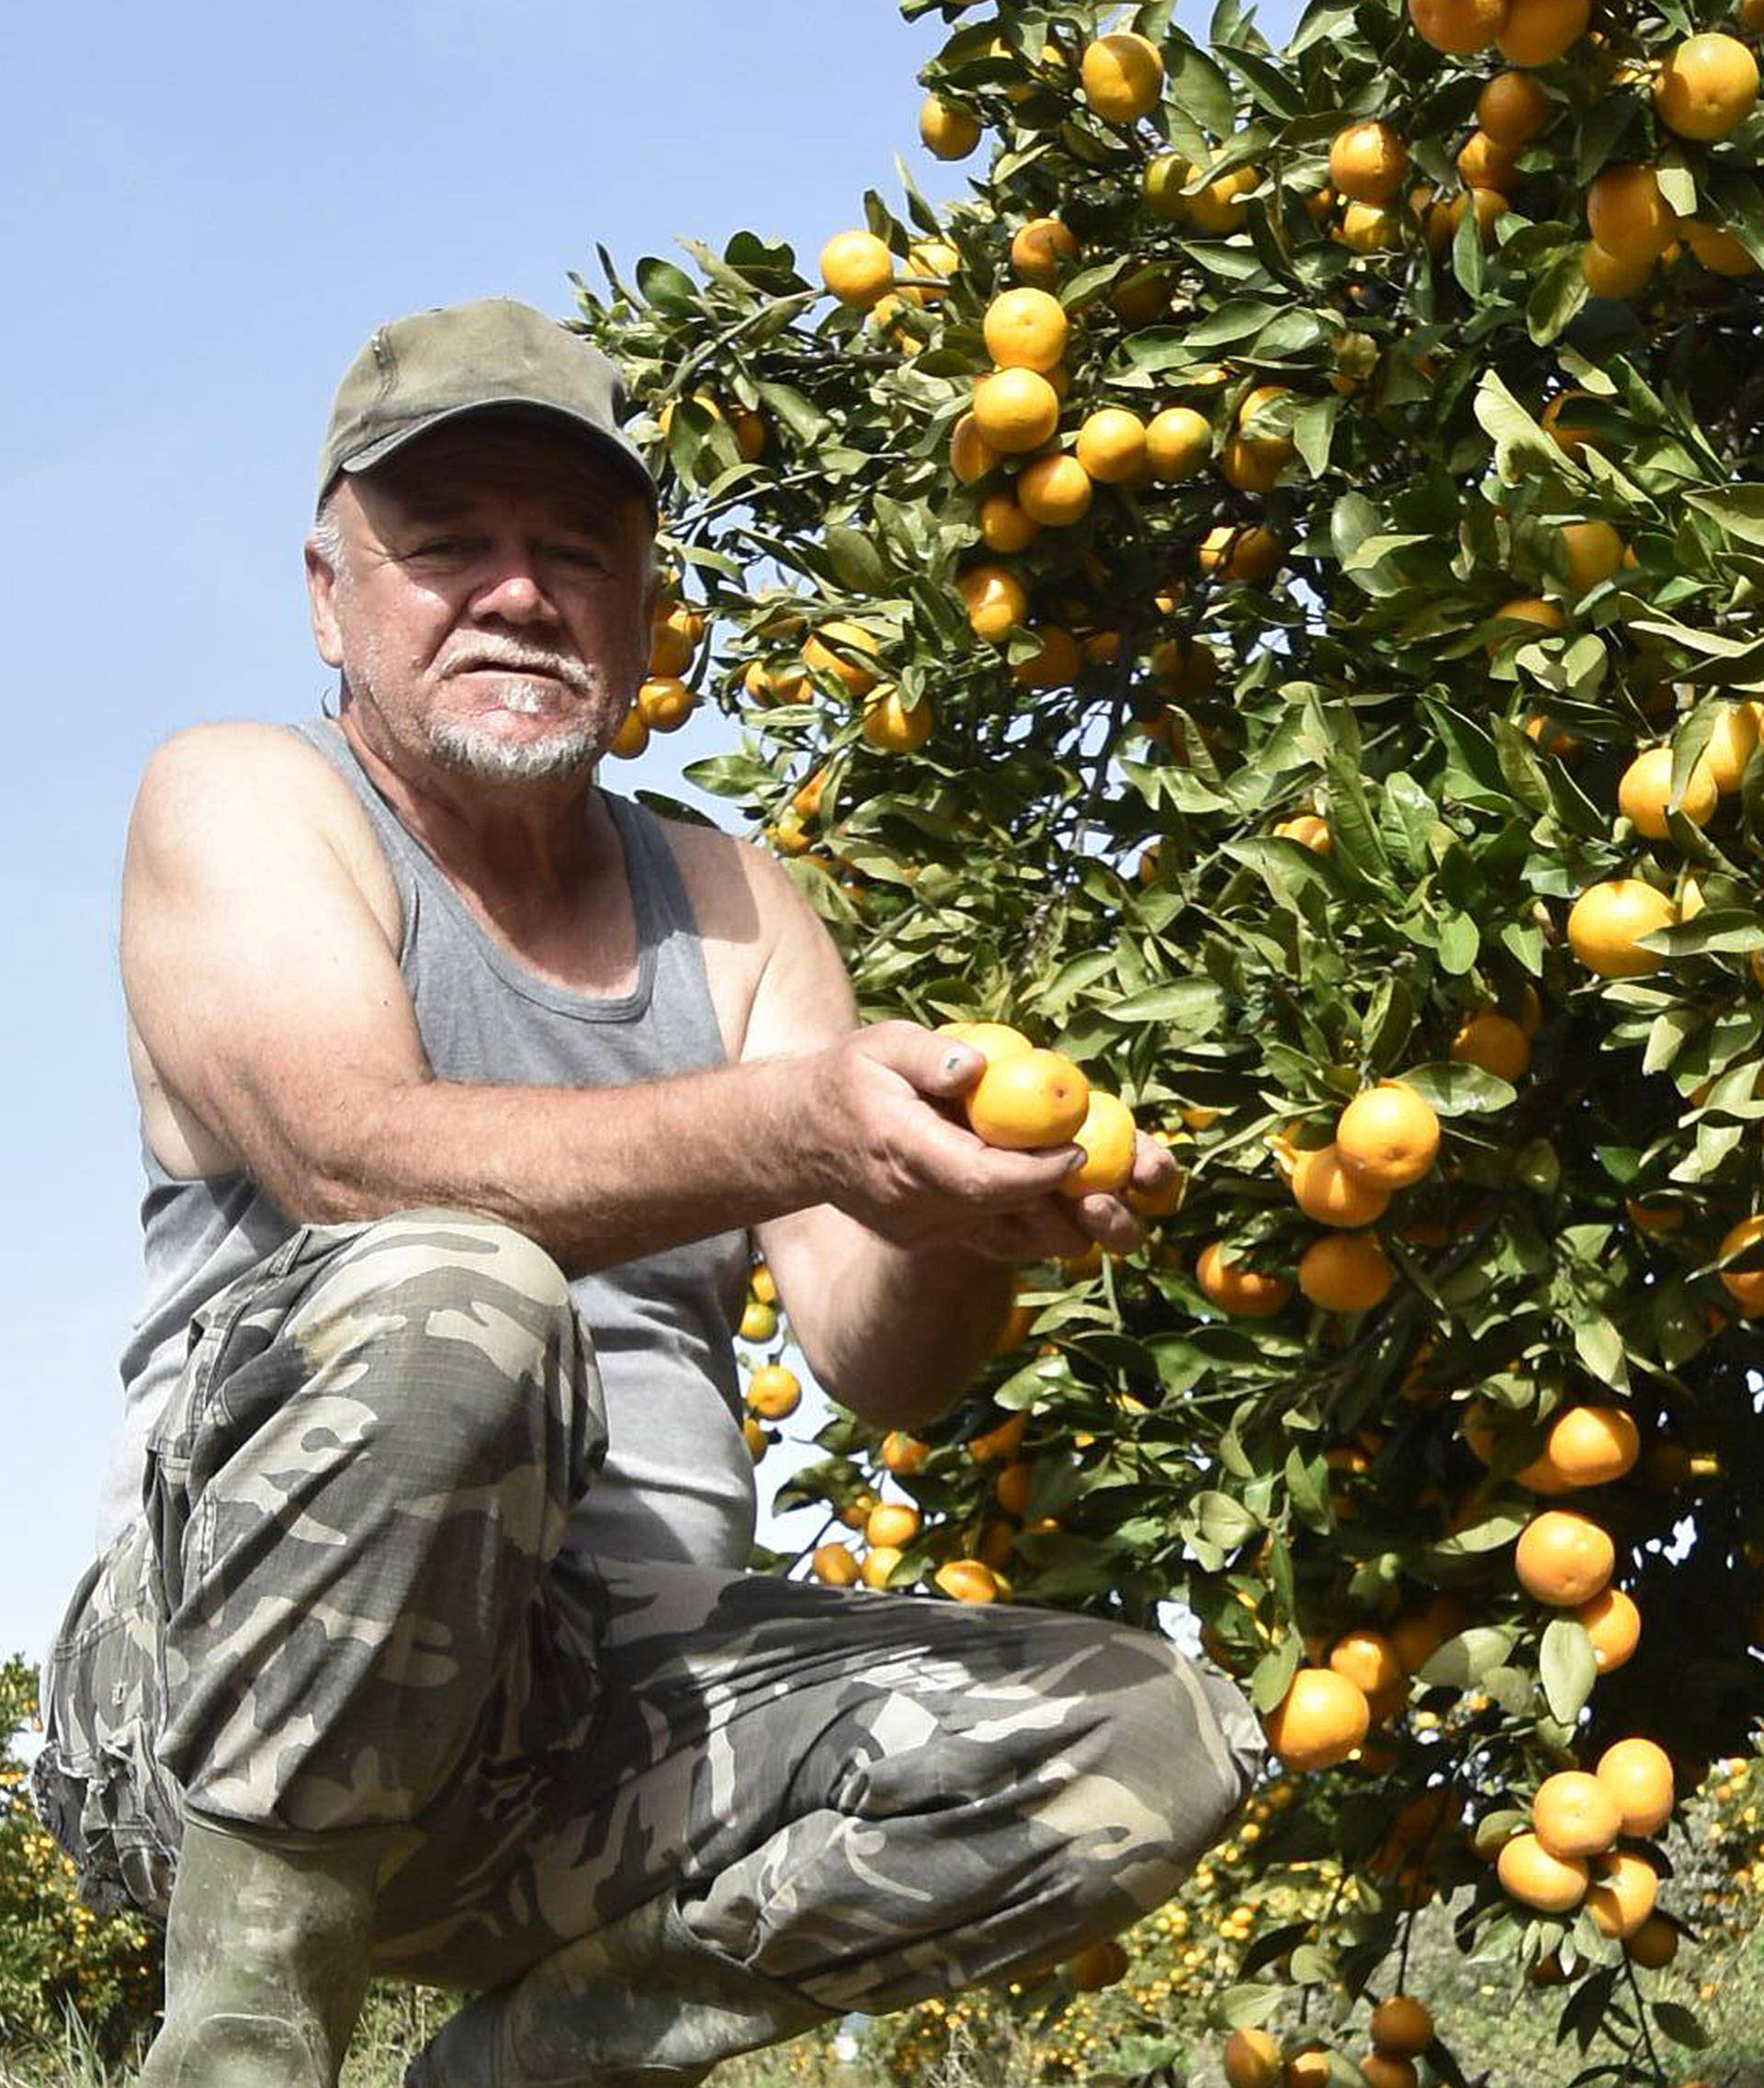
<point x="895" y="1157"/>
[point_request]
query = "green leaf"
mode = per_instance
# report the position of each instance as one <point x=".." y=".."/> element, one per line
<point x="1739" y="509"/>
<point x="1568" y="1668"/>
<point x="1452" y="1090"/>
<point x="1461" y="1662"/>
<point x="1677" y="2023"/>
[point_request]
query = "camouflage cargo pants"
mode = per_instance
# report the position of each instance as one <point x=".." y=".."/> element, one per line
<point x="345" y="1603"/>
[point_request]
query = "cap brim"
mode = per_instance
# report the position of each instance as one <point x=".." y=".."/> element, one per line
<point x="610" y="446"/>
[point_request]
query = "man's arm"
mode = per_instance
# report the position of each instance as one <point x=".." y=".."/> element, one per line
<point x="894" y="1332"/>
<point x="270" y="1000"/>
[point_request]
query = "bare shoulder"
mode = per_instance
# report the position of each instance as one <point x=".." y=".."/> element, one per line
<point x="745" y="908"/>
<point x="228" y="774"/>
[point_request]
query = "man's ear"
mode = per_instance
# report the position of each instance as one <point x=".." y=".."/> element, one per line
<point x="321" y="595"/>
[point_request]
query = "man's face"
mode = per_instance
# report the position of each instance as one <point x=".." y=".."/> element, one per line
<point x="493" y="596"/>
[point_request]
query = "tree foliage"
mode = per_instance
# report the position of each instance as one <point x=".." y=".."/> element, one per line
<point x="1371" y="612"/>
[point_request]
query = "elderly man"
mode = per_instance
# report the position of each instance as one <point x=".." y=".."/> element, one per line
<point x="419" y="1640"/>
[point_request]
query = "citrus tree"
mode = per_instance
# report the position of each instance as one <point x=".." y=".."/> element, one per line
<point x="1259" y="600"/>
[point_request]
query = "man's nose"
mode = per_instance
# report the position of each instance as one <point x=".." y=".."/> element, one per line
<point x="513" y="593"/>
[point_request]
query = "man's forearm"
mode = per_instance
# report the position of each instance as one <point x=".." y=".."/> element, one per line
<point x="595" y="1175"/>
<point x="912" y="1326"/>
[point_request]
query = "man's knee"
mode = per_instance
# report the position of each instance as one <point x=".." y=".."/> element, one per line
<point x="1180" y="1752"/>
<point x="445" y="1319"/>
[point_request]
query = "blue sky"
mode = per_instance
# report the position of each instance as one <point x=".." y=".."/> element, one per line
<point x="208" y="211"/>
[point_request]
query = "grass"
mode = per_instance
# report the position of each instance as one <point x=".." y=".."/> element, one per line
<point x="1498" y="2045"/>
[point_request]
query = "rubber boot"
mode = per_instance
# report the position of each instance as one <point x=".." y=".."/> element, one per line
<point x="267" y="1951"/>
<point x="641" y="2003"/>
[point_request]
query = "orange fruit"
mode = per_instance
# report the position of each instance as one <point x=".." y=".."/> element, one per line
<point x="1654" y="1945"/>
<point x="971" y="457"/>
<point x="1528" y="609"/>
<point x="1319" y="1721"/>
<point x="1107" y="1136"/>
<point x="1564" y="1558"/>
<point x="1512" y="108"/>
<point x="1015" y="409"/>
<point x="1247" y="552"/>
<point x="1537" y="32"/>
<point x="1013" y="1484"/>
<point x="1028" y="1099"/>
<point x="857" y="1511"/>
<point x="774" y="1392"/>
<point x="1000" y="1441"/>
<point x="1309" y="2069"/>
<point x="1638" y="1774"/>
<point x="1730" y="745"/>
<point x="1613" y="1624"/>
<point x="1745" y="1286"/>
<point x="1606" y="919"/>
<point x="1592" y="552"/>
<point x="665" y="701"/>
<point x="847" y="652"/>
<point x="1368" y="1660"/>
<point x="1368" y="161"/>
<point x="1370" y="227"/>
<point x="1055" y="490"/>
<point x="1252" y="2059"/>
<point x="1308" y="830"/>
<point x="833" y="1565"/>
<point x="890" y="1524"/>
<point x="1324" y="1189"/>
<point x="1460" y="27"/>
<point x="1025" y="330"/>
<point x="1569" y="428"/>
<point x="889" y="725"/>
<point x="1178" y="443"/>
<point x="968" y="1580"/>
<point x="1416" y="1639"/>
<point x="1717" y="250"/>
<point x="1622" y="1894"/>
<point x="1218" y="207"/>
<point x="1552" y="1884"/>
<point x="903" y="1454"/>
<point x="1706" y="87"/>
<point x="1054" y="666"/>
<point x="1483" y="163"/>
<point x="763" y="1284"/>
<point x="856" y="268"/>
<point x="877" y="1564"/>
<point x="1388" y="2069"/>
<point x="1575" y="1814"/>
<point x="996" y="599"/>
<point x="1122" y="76"/>
<point x="1099" y="1966"/>
<point x="1586" y="1446"/>
<point x="1112" y="445"/>
<point x="995" y="1040"/>
<point x="1402" y="2025"/>
<point x="1387" y="1136"/>
<point x="1627" y="214"/>
<point x="1611" y="276"/>
<point x="632" y="737"/>
<point x="1162" y="183"/>
<point x="755" y="1437"/>
<point x="1495" y="1043"/>
<point x="1004" y="525"/>
<point x="947" y="133"/>
<point x="1646" y="784"/>
<point x="1345" y="1272"/>
<point x="1235" y="1288"/>
<point x="1041" y="249"/>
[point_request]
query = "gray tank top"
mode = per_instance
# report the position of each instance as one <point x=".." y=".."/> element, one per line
<point x="678" y="1481"/>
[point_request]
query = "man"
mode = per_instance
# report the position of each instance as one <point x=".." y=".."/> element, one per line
<point x="418" y="1641"/>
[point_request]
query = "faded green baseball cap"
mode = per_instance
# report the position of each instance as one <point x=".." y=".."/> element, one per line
<point x="436" y="365"/>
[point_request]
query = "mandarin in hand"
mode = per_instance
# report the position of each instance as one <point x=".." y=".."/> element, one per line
<point x="1028" y="1099"/>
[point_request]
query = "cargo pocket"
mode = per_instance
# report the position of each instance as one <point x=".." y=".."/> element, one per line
<point x="101" y="1794"/>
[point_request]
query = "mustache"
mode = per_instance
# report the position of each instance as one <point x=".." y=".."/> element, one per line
<point x="516" y="657"/>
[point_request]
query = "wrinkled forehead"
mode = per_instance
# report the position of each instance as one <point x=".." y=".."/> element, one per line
<point x="493" y="460"/>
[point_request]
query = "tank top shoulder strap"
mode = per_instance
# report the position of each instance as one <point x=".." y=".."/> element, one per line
<point x="682" y="983"/>
<point x="403" y="857"/>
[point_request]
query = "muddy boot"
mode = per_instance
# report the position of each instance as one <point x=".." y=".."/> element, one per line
<point x="640" y="2004"/>
<point x="266" y="1949"/>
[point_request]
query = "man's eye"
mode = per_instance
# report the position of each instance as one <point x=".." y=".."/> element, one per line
<point x="578" y="554"/>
